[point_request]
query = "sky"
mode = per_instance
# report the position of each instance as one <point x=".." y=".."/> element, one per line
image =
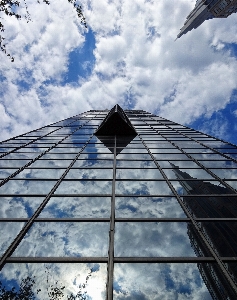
<point x="128" y="55"/>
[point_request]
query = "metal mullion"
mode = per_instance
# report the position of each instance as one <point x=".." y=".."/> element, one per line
<point x="117" y="259"/>
<point x="32" y="141"/>
<point x="152" y="179"/>
<point x="110" y="274"/>
<point x="56" y="220"/>
<point x="56" y="195"/>
<point x="194" y="223"/>
<point x="175" y="219"/>
<point x="67" y="179"/>
<point x="36" y="158"/>
<point x="56" y="260"/>
<point x="201" y="165"/>
<point x="143" y="220"/>
<point x="165" y="259"/>
<point x="28" y="225"/>
<point x="117" y="195"/>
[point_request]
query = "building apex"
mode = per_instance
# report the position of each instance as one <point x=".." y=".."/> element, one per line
<point x="116" y="123"/>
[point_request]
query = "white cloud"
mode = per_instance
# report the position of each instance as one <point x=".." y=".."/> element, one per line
<point x="138" y="63"/>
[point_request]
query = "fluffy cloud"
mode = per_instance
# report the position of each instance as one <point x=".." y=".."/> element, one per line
<point x="137" y="63"/>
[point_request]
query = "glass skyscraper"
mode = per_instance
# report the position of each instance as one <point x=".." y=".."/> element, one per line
<point x="118" y="205"/>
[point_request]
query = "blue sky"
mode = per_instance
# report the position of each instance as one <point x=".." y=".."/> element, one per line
<point x="128" y="56"/>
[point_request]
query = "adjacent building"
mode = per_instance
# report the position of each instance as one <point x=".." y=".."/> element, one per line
<point x="118" y="204"/>
<point x="205" y="10"/>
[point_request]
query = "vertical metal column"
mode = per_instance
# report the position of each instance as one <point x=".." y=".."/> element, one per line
<point x="110" y="274"/>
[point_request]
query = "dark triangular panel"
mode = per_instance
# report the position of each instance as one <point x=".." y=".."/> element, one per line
<point x="116" y="123"/>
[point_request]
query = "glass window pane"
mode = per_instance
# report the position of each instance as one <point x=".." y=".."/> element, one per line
<point x="142" y="188"/>
<point x="54" y="281"/>
<point x="148" y="207"/>
<point x="65" y="239"/>
<point x="212" y="207"/>
<point x="136" y="156"/>
<point x="159" y="281"/>
<point x="90" y="174"/>
<point x="14" y="163"/>
<point x="85" y="187"/>
<point x="181" y="164"/>
<point x="50" y="163"/>
<point x="199" y="187"/>
<point x="193" y="173"/>
<point x="6" y="172"/>
<point x="166" y="156"/>
<point x="135" y="164"/>
<point x="92" y="163"/>
<point x="75" y="207"/>
<point x="219" y="164"/>
<point x="41" y="173"/>
<point x="19" y="207"/>
<point x="32" y="187"/>
<point x="222" y="236"/>
<point x="159" y="239"/>
<point x="225" y="173"/>
<point x="8" y="232"/>
<point x="138" y="174"/>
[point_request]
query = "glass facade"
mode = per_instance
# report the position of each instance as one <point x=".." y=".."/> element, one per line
<point x="145" y="211"/>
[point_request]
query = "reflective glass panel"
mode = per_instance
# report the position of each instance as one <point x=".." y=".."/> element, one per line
<point x="32" y="187"/>
<point x="199" y="187"/>
<point x="19" y="207"/>
<point x="41" y="173"/>
<point x="135" y="163"/>
<point x="54" y="281"/>
<point x="148" y="207"/>
<point x="75" y="207"/>
<point x="90" y="174"/>
<point x="8" y="232"/>
<point x="14" y="163"/>
<point x="212" y="207"/>
<point x="65" y="239"/>
<point x="41" y="163"/>
<point x="222" y="236"/>
<point x="92" y="163"/>
<point x="85" y="187"/>
<point x="142" y="187"/>
<point x="191" y="173"/>
<point x="158" y="239"/>
<point x="138" y="174"/>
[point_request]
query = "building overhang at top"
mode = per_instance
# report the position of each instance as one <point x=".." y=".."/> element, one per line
<point x="116" y="123"/>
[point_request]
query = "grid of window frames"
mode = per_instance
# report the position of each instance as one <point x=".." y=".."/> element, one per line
<point x="156" y="221"/>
